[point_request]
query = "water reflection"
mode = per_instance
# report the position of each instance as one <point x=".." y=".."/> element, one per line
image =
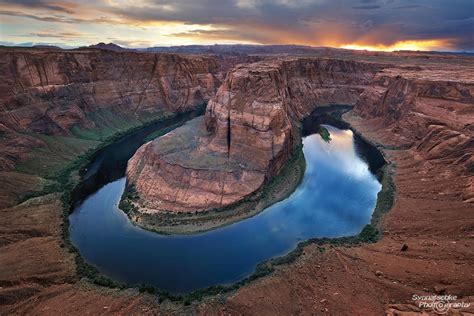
<point x="336" y="198"/>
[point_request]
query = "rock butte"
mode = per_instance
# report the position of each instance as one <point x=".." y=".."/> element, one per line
<point x="250" y="127"/>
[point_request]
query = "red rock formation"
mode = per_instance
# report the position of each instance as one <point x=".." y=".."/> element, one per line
<point x="253" y="113"/>
<point x="432" y="111"/>
<point x="251" y="128"/>
<point x="51" y="91"/>
<point x="178" y="172"/>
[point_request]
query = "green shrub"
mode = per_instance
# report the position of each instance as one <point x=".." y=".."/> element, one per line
<point x="369" y="234"/>
<point x="146" y="288"/>
<point x="324" y="133"/>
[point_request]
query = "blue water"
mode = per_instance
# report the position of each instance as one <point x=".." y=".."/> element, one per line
<point x="336" y="198"/>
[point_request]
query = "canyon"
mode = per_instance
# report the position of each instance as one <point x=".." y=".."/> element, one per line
<point x="417" y="108"/>
<point x="250" y="127"/>
<point x="249" y="132"/>
<point x="58" y="93"/>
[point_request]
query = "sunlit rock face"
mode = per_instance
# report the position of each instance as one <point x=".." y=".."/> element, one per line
<point x="253" y="115"/>
<point x="179" y="172"/>
<point x="250" y="126"/>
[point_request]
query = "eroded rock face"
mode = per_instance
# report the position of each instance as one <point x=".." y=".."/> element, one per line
<point x="431" y="111"/>
<point x="254" y="113"/>
<point x="250" y="125"/>
<point x="179" y="172"/>
<point x="57" y="92"/>
<point x="50" y="92"/>
<point x="252" y="121"/>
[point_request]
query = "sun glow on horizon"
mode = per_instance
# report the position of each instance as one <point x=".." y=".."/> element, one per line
<point x="415" y="45"/>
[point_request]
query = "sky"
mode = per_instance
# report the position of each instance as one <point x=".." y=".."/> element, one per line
<point x="445" y="25"/>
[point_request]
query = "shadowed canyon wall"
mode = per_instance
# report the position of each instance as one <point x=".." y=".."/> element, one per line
<point x="51" y="92"/>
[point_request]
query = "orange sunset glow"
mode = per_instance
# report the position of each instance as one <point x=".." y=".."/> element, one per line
<point x="418" y="45"/>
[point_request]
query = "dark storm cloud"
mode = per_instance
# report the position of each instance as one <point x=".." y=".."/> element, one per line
<point x="367" y="7"/>
<point x="39" y="4"/>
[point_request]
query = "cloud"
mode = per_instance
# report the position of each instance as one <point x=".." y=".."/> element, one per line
<point x="43" y="18"/>
<point x="56" y="34"/>
<point x="316" y="22"/>
<point x="408" y="7"/>
<point x="131" y="43"/>
<point x="41" y="4"/>
<point x="367" y="7"/>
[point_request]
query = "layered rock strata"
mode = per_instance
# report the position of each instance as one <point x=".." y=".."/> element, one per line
<point x="49" y="92"/>
<point x="248" y="133"/>
<point x="430" y="111"/>
<point x="54" y="92"/>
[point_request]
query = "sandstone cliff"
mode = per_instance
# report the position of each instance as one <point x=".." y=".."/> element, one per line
<point x="50" y="92"/>
<point x="431" y="111"/>
<point x="431" y="214"/>
<point x="179" y="172"/>
<point x="81" y="92"/>
<point x="250" y="125"/>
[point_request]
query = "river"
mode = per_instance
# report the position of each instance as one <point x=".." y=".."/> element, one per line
<point x="335" y="198"/>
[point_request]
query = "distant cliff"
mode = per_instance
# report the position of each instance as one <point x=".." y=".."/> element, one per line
<point x="50" y="92"/>
<point x="430" y="111"/>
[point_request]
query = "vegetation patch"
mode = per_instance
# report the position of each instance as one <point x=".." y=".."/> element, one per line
<point x="386" y="196"/>
<point x="324" y="133"/>
<point x="55" y="156"/>
<point x="108" y="123"/>
<point x="126" y="202"/>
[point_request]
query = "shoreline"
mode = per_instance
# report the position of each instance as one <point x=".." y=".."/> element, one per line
<point x="272" y="192"/>
<point x="370" y="234"/>
<point x="67" y="186"/>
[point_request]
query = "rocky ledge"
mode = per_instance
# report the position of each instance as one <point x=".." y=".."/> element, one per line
<point x="180" y="172"/>
<point x="82" y="91"/>
<point x="428" y="110"/>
